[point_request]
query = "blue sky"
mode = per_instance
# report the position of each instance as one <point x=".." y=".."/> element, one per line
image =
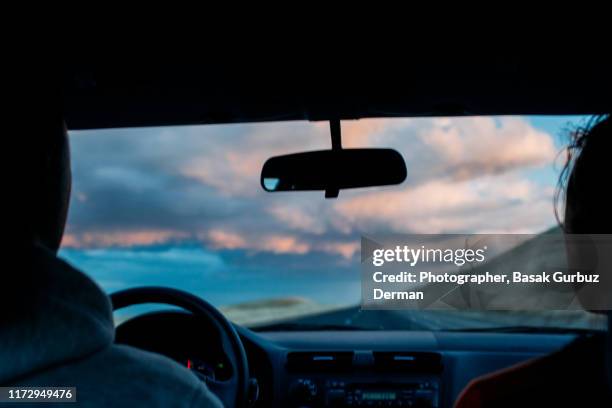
<point x="183" y="207"/>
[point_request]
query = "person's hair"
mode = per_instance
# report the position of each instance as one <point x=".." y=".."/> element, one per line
<point x="581" y="188"/>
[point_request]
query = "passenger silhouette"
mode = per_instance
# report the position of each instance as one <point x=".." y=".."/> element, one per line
<point x="580" y="374"/>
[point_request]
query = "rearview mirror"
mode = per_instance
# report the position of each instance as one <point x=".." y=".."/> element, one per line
<point x="333" y="170"/>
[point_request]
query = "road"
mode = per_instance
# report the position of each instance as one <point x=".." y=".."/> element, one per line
<point x="445" y="320"/>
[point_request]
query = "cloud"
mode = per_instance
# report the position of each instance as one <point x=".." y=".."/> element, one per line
<point x="225" y="240"/>
<point x="298" y="219"/>
<point x="473" y="147"/>
<point x="120" y="238"/>
<point x="151" y="186"/>
<point x="345" y="249"/>
<point x="232" y="162"/>
<point x="491" y="204"/>
<point x="279" y="244"/>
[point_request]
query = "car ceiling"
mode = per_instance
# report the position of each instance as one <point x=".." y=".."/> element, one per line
<point x="247" y="89"/>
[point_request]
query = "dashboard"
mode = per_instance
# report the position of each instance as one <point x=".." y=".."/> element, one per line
<point x="342" y="368"/>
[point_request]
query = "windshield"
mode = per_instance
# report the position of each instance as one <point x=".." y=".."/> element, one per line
<point x="183" y="207"/>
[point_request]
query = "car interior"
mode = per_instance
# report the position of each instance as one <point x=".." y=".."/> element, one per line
<point x="261" y="340"/>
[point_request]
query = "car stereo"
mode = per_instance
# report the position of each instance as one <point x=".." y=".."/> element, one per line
<point x="306" y="392"/>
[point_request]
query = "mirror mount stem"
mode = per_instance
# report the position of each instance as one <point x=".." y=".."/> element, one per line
<point x="336" y="141"/>
<point x="336" y="134"/>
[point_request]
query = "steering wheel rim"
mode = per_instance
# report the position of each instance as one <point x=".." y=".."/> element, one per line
<point x="233" y="392"/>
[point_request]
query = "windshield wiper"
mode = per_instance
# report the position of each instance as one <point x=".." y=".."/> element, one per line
<point x="528" y="329"/>
<point x="291" y="326"/>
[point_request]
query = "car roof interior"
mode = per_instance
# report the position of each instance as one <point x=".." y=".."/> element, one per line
<point x="302" y="88"/>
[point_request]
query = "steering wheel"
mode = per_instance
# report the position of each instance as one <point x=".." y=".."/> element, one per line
<point x="232" y="392"/>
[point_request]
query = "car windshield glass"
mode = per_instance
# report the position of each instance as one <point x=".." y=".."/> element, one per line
<point x="183" y="207"/>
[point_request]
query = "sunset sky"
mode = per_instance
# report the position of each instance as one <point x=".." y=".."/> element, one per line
<point x="183" y="207"/>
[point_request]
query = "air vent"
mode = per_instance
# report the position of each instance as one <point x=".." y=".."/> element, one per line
<point x="320" y="361"/>
<point x="414" y="362"/>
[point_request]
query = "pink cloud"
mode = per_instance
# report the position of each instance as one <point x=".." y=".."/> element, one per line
<point x="120" y="238"/>
<point x="344" y="249"/>
<point x="225" y="239"/>
<point x="297" y="218"/>
<point x="476" y="146"/>
<point x="280" y="244"/>
<point x="501" y="204"/>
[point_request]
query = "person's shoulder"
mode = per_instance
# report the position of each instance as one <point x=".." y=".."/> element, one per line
<point x="120" y="375"/>
<point x="575" y="366"/>
<point x="158" y="376"/>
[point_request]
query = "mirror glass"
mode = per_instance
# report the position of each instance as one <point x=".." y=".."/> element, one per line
<point x="333" y="170"/>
